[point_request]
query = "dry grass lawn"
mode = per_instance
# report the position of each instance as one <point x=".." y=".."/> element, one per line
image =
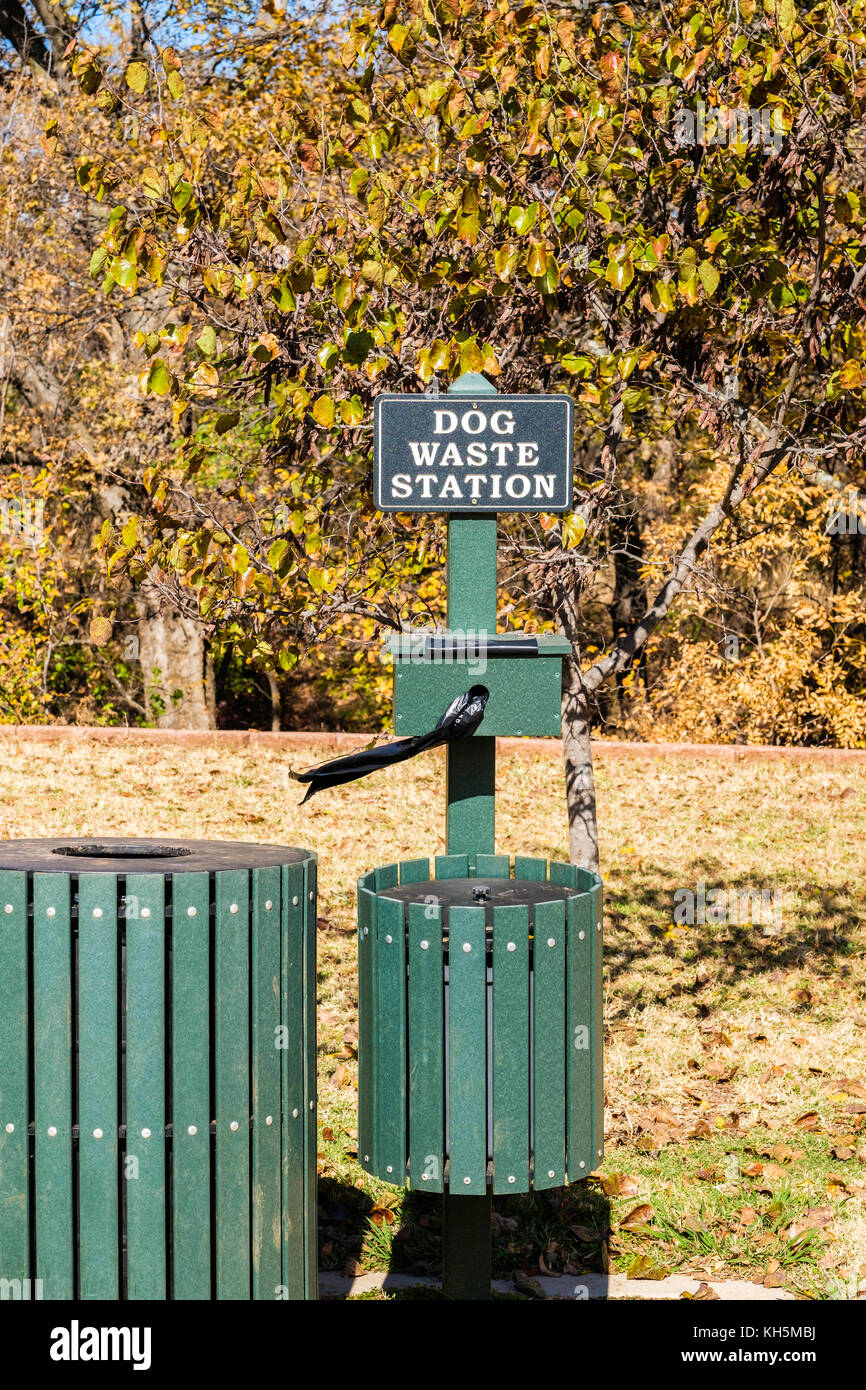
<point x="736" y="1085"/>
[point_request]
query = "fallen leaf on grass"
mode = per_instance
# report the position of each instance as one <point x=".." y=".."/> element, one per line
<point x="776" y="1280"/>
<point x="810" y="1121"/>
<point x="842" y="1152"/>
<point x="584" y="1233"/>
<point x="802" y="998"/>
<point x="706" y="1174"/>
<point x="720" y="1072"/>
<point x="382" y="1216"/>
<point x="643" y="1268"/>
<point x="637" y="1218"/>
<point x="620" y="1185"/>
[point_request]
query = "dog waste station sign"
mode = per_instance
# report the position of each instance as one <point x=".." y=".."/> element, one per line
<point x="471" y="452"/>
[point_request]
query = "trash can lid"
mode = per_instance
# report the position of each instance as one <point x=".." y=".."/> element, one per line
<point x="163" y="855"/>
<point x="480" y="892"/>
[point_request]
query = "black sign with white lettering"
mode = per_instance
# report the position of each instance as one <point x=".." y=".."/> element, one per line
<point x="473" y="453"/>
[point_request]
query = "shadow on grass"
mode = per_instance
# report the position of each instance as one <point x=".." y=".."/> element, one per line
<point x="752" y="935"/>
<point x="563" y="1231"/>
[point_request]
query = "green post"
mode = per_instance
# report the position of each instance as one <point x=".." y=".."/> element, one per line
<point x="470" y="829"/>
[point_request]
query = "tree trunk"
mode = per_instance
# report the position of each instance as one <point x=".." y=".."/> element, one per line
<point x="276" y="703"/>
<point x="178" y="691"/>
<point x="579" y="775"/>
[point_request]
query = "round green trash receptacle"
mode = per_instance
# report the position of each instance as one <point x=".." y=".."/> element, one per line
<point x="157" y="1070"/>
<point x="480" y="1024"/>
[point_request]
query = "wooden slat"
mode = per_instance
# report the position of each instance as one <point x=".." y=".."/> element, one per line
<point x="426" y="1049"/>
<point x="311" y="1133"/>
<point x="190" y="1082"/>
<point x="145" y="1087"/>
<point x="231" y="1088"/>
<point x="527" y="867"/>
<point x="579" y="1036"/>
<point x="52" y="1036"/>
<point x="467" y="1046"/>
<point x="511" y="1049"/>
<point x="414" y="870"/>
<point x="548" y="1050"/>
<point x="366" y="1031"/>
<point x="98" y="1101"/>
<point x="266" y="1190"/>
<point x="598" y="1025"/>
<point x="14" y="1098"/>
<point x="387" y="876"/>
<point x="492" y="866"/>
<point x="391" y="1041"/>
<point x="565" y="874"/>
<point x="451" y="866"/>
<point x="292" y="1061"/>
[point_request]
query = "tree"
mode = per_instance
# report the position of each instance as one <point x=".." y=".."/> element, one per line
<point x="659" y="209"/>
<point x="65" y="360"/>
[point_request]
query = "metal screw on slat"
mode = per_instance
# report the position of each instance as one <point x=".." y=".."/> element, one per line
<point x="467" y="1181"/>
<point x="511" y="1178"/>
<point x="97" y="912"/>
<point x="581" y="935"/>
<point x="466" y="946"/>
<point x="512" y="946"/>
<point x="52" y="1131"/>
<point x="191" y="912"/>
<point x="50" y="911"/>
<point x="425" y="945"/>
<point x="97" y="1134"/>
<point x="389" y="1169"/>
<point x="551" y="1173"/>
<point x="582" y="1164"/>
<point x="10" y="1129"/>
<point x="389" y="939"/>
<point x="145" y="1134"/>
<point x="233" y="908"/>
<point x="9" y="908"/>
<point x="551" y="941"/>
<point x="145" y="912"/>
<point x="234" y="1125"/>
<point x="269" y="1119"/>
<point x="192" y="1129"/>
<point x="268" y="905"/>
<point x="295" y="900"/>
<point x="295" y="1114"/>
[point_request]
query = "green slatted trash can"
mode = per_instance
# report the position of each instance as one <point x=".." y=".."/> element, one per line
<point x="157" y="1070"/>
<point x="480" y="1024"/>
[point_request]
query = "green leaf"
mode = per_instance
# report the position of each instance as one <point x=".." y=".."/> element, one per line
<point x="709" y="277"/>
<point x="523" y="219"/>
<point x="351" y="411"/>
<point x="97" y="262"/>
<point x="136" y="77"/>
<point x="158" y="378"/>
<point x="175" y="85"/>
<point x="620" y="273"/>
<point x="323" y="411"/>
<point x="277" y="554"/>
<point x="206" y="341"/>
